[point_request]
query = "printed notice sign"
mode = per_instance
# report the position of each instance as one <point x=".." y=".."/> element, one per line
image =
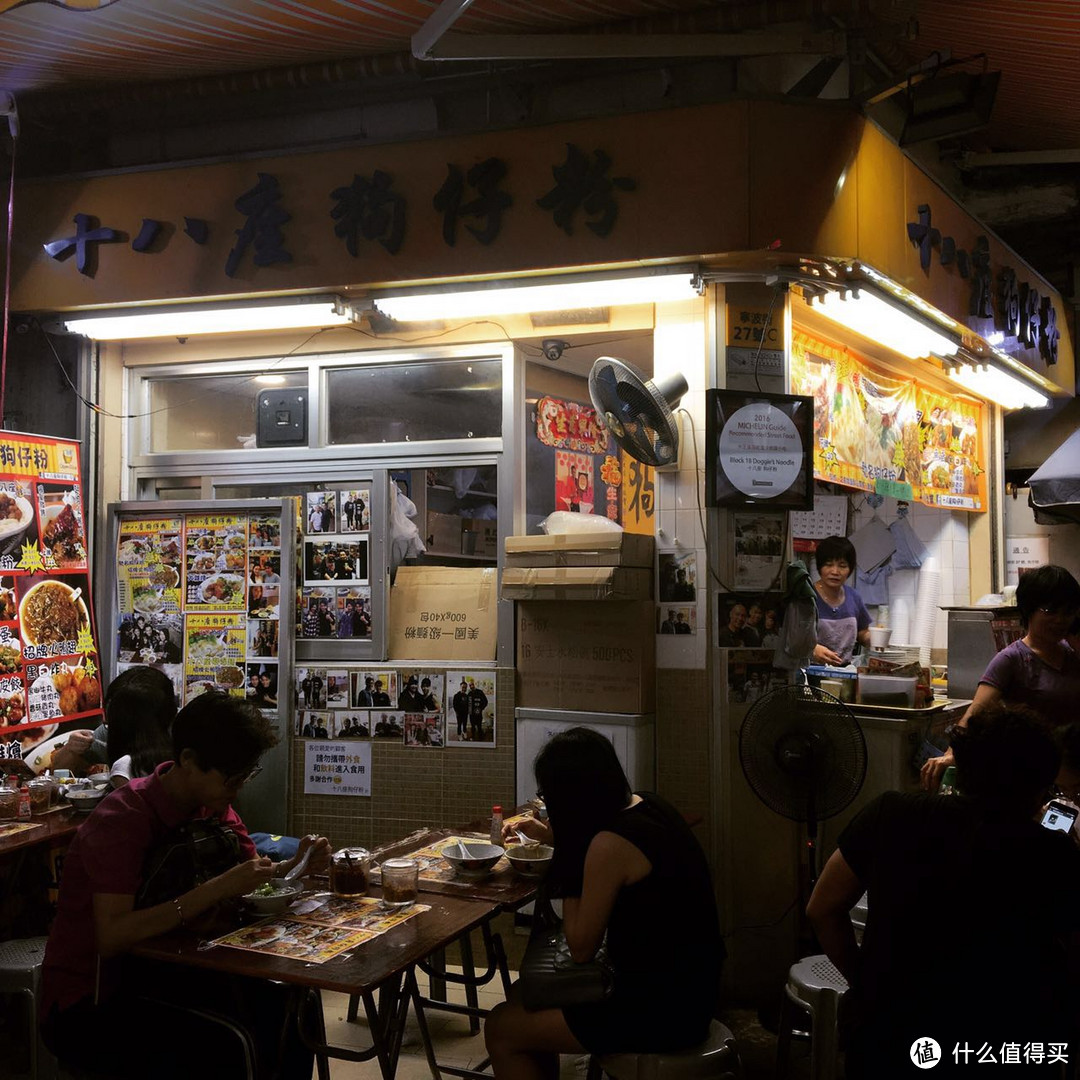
<point x="337" y="768"/>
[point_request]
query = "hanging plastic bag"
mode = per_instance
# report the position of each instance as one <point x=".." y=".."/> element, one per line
<point x="405" y="541"/>
<point x="798" y="634"/>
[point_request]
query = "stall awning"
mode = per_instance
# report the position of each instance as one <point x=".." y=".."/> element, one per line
<point x="1055" y="485"/>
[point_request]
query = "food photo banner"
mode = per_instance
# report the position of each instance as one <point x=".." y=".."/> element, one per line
<point x="198" y="597"/>
<point x="894" y="436"/>
<point x="48" y="656"/>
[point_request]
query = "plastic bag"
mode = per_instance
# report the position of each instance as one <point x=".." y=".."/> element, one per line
<point x="564" y="523"/>
<point x="405" y="542"/>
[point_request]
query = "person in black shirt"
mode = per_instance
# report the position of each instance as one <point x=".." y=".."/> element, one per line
<point x="619" y="859"/>
<point x="409" y="699"/>
<point x="994" y="882"/>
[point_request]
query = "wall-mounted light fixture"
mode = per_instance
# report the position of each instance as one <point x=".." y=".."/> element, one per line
<point x="882" y="321"/>
<point x="564" y="293"/>
<point x="226" y="317"/>
<point x="993" y="382"/>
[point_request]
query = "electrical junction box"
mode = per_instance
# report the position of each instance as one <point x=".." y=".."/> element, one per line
<point x="281" y="417"/>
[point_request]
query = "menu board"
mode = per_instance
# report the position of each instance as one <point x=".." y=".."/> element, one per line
<point x="894" y="435"/>
<point x="48" y="656"/>
<point x="198" y="596"/>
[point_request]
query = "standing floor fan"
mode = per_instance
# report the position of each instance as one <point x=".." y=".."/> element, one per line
<point x="804" y="755"/>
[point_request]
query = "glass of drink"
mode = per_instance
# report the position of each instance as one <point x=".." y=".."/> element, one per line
<point x="400" y="882"/>
<point x="349" y="871"/>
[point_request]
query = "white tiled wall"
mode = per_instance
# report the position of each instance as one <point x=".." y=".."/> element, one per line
<point x="945" y="534"/>
<point x="679" y="345"/>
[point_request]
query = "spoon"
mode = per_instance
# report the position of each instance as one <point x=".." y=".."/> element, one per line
<point x="301" y="866"/>
<point x="525" y="840"/>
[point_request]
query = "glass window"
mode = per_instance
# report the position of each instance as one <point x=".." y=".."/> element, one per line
<point x="445" y="399"/>
<point x="214" y="412"/>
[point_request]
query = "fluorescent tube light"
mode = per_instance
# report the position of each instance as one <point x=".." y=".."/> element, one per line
<point x="995" y="384"/>
<point x="430" y="306"/>
<point x="885" y="323"/>
<point x="184" y="320"/>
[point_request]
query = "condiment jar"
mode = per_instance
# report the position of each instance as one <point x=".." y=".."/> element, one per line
<point x="41" y="790"/>
<point x="9" y="803"/>
<point x="400" y="882"/>
<point x="349" y="871"/>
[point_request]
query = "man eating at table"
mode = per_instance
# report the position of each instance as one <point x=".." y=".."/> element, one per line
<point x="130" y="875"/>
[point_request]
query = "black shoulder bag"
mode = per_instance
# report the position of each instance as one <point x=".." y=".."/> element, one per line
<point x="550" y="978"/>
<point x="185" y="857"/>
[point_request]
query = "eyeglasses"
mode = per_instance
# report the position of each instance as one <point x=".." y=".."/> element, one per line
<point x="241" y="778"/>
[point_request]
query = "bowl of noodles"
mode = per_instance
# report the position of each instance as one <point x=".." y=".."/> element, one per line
<point x="51" y="612"/>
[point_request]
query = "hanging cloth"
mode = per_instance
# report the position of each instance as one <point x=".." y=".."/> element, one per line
<point x="910" y="551"/>
<point x="798" y="633"/>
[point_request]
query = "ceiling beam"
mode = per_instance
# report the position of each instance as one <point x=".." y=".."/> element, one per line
<point x="615" y="46"/>
<point x="437" y="23"/>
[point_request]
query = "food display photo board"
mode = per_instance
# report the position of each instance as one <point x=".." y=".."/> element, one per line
<point x="198" y="596"/>
<point x="49" y="663"/>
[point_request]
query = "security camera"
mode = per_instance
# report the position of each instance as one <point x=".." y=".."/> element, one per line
<point x="553" y="348"/>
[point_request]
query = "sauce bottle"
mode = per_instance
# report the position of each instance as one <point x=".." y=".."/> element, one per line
<point x="496" y="825"/>
<point x="24" y="803"/>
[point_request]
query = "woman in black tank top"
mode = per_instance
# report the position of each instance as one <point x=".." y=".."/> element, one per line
<point x="626" y="866"/>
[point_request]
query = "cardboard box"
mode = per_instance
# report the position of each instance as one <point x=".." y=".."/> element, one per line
<point x="590" y="657"/>
<point x="484" y="538"/>
<point x="581" y="549"/>
<point x="443" y="613"/>
<point x="443" y="534"/>
<point x="577" y="583"/>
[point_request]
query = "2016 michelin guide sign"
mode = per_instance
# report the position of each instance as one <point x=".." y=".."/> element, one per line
<point x="759" y="450"/>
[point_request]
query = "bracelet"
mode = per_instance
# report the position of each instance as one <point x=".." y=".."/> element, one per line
<point x="180" y="911"/>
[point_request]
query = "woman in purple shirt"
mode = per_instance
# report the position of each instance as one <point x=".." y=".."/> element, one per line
<point x="1042" y="669"/>
<point x="843" y="621"/>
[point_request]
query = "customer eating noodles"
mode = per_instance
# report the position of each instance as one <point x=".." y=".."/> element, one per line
<point x="132" y="873"/>
<point x="621" y="860"/>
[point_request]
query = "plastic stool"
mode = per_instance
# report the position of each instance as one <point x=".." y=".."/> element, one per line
<point x="858" y="917"/>
<point x="20" y="973"/>
<point x="815" y="985"/>
<point x="714" y="1059"/>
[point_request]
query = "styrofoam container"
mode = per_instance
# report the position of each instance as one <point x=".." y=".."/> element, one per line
<point x="886" y="690"/>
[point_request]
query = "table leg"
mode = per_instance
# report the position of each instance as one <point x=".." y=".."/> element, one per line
<point x="468" y="969"/>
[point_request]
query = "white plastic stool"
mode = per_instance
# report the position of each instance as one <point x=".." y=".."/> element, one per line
<point x="714" y="1059"/>
<point x="20" y="973"/>
<point x="815" y="985"/>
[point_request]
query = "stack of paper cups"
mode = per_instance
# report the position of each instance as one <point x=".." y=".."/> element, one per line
<point x="900" y="621"/>
<point x="926" y="609"/>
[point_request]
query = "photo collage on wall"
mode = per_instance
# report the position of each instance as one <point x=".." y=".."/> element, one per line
<point x="198" y="597"/>
<point x="48" y="659"/>
<point x="334" y="579"/>
<point x="677" y="593"/>
<point x="417" y="706"/>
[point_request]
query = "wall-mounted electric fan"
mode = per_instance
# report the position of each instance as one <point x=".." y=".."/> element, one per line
<point x="639" y="413"/>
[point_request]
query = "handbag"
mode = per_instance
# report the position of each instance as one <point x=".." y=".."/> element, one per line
<point x="549" y="976"/>
<point x="186" y="856"/>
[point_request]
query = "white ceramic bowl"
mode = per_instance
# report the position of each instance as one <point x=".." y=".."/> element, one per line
<point x="285" y="892"/>
<point x="12" y="530"/>
<point x="478" y="861"/>
<point x="85" y="799"/>
<point x="530" y="860"/>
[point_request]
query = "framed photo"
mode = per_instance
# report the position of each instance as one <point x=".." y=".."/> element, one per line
<point x="354" y="508"/>
<point x="678" y="577"/>
<point x="759" y="450"/>
<point x="322" y="513"/>
<point x="746" y="621"/>
<point x="344" y="559"/>
<point x="470" y="708"/>
<point x="374" y="689"/>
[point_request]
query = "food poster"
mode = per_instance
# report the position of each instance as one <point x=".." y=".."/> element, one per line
<point x="48" y="656"/>
<point x="321" y="927"/>
<point x="895" y="436"/>
<point x="214" y="653"/>
<point x="951" y="473"/>
<point x="215" y="556"/>
<point x="149" y="567"/>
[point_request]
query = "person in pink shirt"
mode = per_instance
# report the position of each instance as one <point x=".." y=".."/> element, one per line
<point x="120" y="887"/>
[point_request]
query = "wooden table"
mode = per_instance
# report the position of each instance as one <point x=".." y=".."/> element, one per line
<point x="378" y="967"/>
<point x="59" y="824"/>
<point x="506" y="889"/>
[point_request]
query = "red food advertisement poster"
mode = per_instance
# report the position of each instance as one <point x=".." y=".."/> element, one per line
<point x="574" y="482"/>
<point x="49" y="678"/>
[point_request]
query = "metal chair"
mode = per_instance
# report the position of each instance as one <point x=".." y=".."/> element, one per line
<point x="815" y="986"/>
<point x="714" y="1059"/>
<point x="20" y="973"/>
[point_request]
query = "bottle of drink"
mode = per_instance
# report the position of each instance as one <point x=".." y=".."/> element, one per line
<point x="496" y="825"/>
<point x="948" y="782"/>
<point x="24" y="810"/>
